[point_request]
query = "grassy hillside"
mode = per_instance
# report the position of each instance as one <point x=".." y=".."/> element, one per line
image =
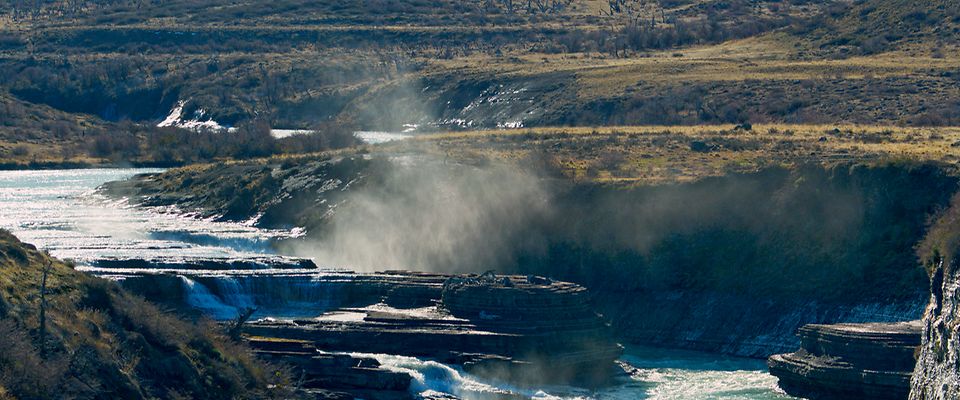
<point x="101" y="342"/>
<point x="636" y="155"/>
<point x="454" y="64"/>
<point x="874" y="26"/>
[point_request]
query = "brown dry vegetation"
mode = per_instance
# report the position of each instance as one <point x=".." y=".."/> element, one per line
<point x="658" y="154"/>
<point x="380" y="64"/>
<point x="102" y="342"/>
<point x="651" y="155"/>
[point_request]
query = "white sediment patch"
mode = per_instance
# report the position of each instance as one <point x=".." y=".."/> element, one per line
<point x="196" y="123"/>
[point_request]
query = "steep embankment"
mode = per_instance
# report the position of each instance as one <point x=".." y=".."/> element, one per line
<point x="937" y="375"/>
<point x="734" y="263"/>
<point x="738" y="263"/>
<point x="101" y="342"/>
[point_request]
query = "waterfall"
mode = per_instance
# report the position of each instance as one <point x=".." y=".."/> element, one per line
<point x="198" y="296"/>
<point x="234" y="294"/>
<point x="221" y="297"/>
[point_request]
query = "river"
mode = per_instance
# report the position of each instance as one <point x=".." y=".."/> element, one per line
<point x="60" y="211"/>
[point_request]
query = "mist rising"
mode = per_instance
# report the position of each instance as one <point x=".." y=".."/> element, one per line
<point x="434" y="216"/>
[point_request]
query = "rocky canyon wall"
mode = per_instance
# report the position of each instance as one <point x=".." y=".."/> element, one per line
<point x="937" y="374"/>
<point x="733" y="264"/>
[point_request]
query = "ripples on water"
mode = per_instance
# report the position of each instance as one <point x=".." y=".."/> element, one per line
<point x="59" y="211"/>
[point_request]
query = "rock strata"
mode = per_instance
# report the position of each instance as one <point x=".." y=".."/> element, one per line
<point x="527" y="330"/>
<point x="937" y="376"/>
<point x="844" y="361"/>
<point x="333" y="376"/>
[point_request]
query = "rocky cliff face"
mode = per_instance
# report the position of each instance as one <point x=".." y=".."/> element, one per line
<point x="523" y="330"/>
<point x="937" y="374"/>
<point x="739" y="324"/>
<point x="754" y="256"/>
<point x="845" y="361"/>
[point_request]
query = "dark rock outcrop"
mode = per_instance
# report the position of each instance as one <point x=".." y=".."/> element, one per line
<point x="846" y="361"/>
<point x="526" y="330"/>
<point x="334" y="375"/>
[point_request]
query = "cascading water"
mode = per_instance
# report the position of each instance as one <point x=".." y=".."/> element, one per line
<point x="234" y="294"/>
<point x="198" y="296"/>
<point x="431" y="378"/>
<point x="60" y="212"/>
<point x="275" y="295"/>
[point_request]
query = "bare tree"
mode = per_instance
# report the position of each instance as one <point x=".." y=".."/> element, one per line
<point x="43" y="308"/>
<point x="236" y="328"/>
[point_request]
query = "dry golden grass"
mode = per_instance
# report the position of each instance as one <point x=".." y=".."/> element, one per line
<point x="662" y="154"/>
<point x="24" y="153"/>
<point x="770" y="57"/>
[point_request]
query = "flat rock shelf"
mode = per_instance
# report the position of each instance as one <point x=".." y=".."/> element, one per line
<point x="844" y="361"/>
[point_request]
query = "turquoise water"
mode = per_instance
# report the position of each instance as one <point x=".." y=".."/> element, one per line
<point x="650" y="373"/>
<point x="678" y="374"/>
<point x="59" y="211"/>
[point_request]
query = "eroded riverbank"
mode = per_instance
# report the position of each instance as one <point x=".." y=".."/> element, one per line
<point x="59" y="211"/>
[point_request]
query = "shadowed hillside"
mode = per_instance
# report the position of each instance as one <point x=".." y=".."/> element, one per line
<point x="93" y="340"/>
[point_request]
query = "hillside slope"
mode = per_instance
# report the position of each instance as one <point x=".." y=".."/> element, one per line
<point x="455" y="64"/>
<point x="874" y="26"/>
<point x="102" y="343"/>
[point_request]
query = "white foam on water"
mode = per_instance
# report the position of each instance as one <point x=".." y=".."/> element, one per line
<point x="660" y="374"/>
<point x="431" y="377"/>
<point x="373" y="137"/>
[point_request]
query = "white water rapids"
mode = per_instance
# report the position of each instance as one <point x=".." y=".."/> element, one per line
<point x="59" y="211"/>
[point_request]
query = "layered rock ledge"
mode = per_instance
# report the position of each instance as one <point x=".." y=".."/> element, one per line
<point x="844" y="361"/>
<point x="527" y="330"/>
<point x="520" y="329"/>
<point x="334" y="376"/>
